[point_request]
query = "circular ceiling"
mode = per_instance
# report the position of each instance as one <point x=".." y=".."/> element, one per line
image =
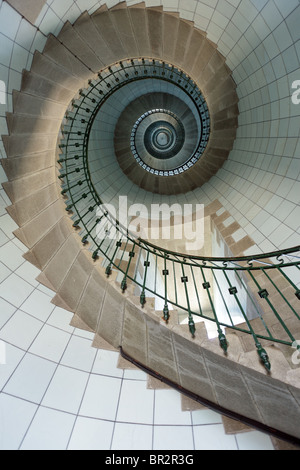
<point x="162" y="131"/>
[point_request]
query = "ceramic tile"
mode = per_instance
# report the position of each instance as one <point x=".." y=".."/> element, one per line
<point x="29" y="273"/>
<point x="11" y="255"/>
<point x="9" y="21"/>
<point x="4" y="272"/>
<point x="8" y="225"/>
<point x="15" y="290"/>
<point x="101" y="397"/>
<point x="167" y="409"/>
<point x="10" y="357"/>
<point x="136" y="403"/>
<point x="61" y="318"/>
<point x="66" y="390"/>
<point x="106" y="363"/>
<point x="206" y="416"/>
<point x="135" y="374"/>
<point x="50" y="343"/>
<point x="254" y="440"/>
<point x="20" y="329"/>
<point x="25" y="34"/>
<point x="91" y="434"/>
<point x="79" y="354"/>
<point x="38" y="305"/>
<point x="49" y="430"/>
<point x="7" y="310"/>
<point x="173" y="438"/>
<point x="16" y="416"/>
<point x="132" y="437"/>
<point x="213" y="436"/>
<point x="31" y="378"/>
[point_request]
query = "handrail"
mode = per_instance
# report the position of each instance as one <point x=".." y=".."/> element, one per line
<point x="231" y="292"/>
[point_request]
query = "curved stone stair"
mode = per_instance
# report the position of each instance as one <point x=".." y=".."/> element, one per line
<point x="81" y="286"/>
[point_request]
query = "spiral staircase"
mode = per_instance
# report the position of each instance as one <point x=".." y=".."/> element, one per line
<point x="132" y="84"/>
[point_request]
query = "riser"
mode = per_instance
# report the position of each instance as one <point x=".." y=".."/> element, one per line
<point x="56" y="269"/>
<point x="86" y="29"/>
<point x="30" y="207"/>
<point x="24" y="103"/>
<point x="28" y="144"/>
<point x="90" y="305"/>
<point x="37" y="85"/>
<point x="37" y="228"/>
<point x="69" y="37"/>
<point x="43" y="66"/>
<point x="23" y="124"/>
<point x="75" y="281"/>
<point x="20" y="167"/>
<point x="46" y="248"/>
<point x="21" y="188"/>
<point x="56" y="51"/>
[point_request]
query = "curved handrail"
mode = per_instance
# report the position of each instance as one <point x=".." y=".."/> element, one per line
<point x="200" y="286"/>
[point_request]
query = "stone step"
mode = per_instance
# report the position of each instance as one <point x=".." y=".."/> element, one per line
<point x="26" y="104"/>
<point x="121" y="21"/>
<point x="102" y="19"/>
<point x="63" y="57"/>
<point x="23" y="124"/>
<point x="23" y="187"/>
<point x="37" y="85"/>
<point x="155" y="31"/>
<point x="46" y="67"/>
<point x="86" y="29"/>
<point x="233" y="426"/>
<point x="205" y="53"/>
<point x="197" y="43"/>
<point x="71" y="39"/>
<point x="110" y="324"/>
<point x="73" y="285"/>
<point x="28" y="144"/>
<point x="138" y="18"/>
<point x="90" y="305"/>
<point x="20" y="167"/>
<point x="60" y="263"/>
<point x="28" y="208"/>
<point x="43" y="251"/>
<point x="35" y="229"/>
<point x="170" y="28"/>
<point x="182" y="42"/>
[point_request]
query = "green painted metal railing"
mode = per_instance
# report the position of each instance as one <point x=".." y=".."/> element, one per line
<point x="254" y="295"/>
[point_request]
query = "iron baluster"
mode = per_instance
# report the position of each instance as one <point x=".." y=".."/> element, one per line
<point x="191" y="322"/>
<point x="166" y="314"/>
<point x="222" y="338"/>
<point x="131" y="255"/>
<point x="261" y="352"/>
<point x="143" y="294"/>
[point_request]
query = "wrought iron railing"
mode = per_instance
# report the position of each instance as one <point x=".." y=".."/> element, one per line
<point x="254" y="295"/>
